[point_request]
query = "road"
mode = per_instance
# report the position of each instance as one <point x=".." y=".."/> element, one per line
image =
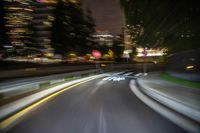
<point x="105" y="105"/>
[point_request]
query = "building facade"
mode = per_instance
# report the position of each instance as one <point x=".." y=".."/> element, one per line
<point x="103" y="38"/>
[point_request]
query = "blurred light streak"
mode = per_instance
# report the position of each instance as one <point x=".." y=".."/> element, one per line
<point x="190" y="67"/>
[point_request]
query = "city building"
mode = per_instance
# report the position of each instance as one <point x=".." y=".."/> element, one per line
<point x="42" y="26"/>
<point x="103" y="38"/>
<point x="28" y="26"/>
<point x="18" y="18"/>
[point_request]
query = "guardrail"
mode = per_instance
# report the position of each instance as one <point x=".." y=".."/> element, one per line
<point x="10" y="89"/>
<point x="171" y="102"/>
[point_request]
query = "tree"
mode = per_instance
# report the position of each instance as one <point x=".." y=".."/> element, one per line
<point x="118" y="47"/>
<point x="171" y="24"/>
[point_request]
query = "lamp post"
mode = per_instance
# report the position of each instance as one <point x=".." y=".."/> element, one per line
<point x="144" y="52"/>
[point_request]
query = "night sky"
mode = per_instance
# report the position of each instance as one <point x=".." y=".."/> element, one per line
<point x="107" y="14"/>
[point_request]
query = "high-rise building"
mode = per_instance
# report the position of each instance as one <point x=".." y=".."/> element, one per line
<point x="42" y="25"/>
<point x="28" y="24"/>
<point x="103" y="38"/>
<point x="18" y="18"/>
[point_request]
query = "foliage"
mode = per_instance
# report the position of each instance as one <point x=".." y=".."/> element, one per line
<point x="172" y="24"/>
<point x="184" y="82"/>
<point x="118" y="47"/>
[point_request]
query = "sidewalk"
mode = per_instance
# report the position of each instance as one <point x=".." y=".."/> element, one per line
<point x="185" y="100"/>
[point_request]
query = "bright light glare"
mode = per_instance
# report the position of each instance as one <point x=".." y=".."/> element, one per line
<point x="190" y="67"/>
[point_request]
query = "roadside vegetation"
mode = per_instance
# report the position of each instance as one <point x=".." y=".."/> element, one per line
<point x="168" y="77"/>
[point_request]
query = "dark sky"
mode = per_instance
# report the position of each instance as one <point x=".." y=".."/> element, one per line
<point x="107" y="14"/>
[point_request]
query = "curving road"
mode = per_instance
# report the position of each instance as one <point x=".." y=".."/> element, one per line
<point x="99" y="106"/>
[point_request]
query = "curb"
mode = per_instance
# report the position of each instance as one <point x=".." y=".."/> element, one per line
<point x="170" y="102"/>
<point x="177" y="118"/>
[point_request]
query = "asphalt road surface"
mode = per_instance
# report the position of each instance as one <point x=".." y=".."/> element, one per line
<point x="105" y="105"/>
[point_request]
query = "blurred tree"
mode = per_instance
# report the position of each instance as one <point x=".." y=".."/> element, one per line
<point x="166" y="23"/>
<point x="118" y="47"/>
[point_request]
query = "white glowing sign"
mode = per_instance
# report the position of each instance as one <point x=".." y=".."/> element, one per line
<point x="151" y="52"/>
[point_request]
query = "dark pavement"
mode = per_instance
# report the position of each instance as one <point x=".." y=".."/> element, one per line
<point x="98" y="106"/>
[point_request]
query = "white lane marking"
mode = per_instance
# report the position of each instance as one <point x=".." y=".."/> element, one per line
<point x="127" y="74"/>
<point x="113" y="78"/>
<point x="118" y="73"/>
<point x="94" y="90"/>
<point x="102" y="122"/>
<point x="116" y="78"/>
<point x="97" y="86"/>
<point x="174" y="117"/>
<point x="121" y="78"/>
<point x="145" y="74"/>
<point x="107" y="78"/>
<point x="137" y="75"/>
